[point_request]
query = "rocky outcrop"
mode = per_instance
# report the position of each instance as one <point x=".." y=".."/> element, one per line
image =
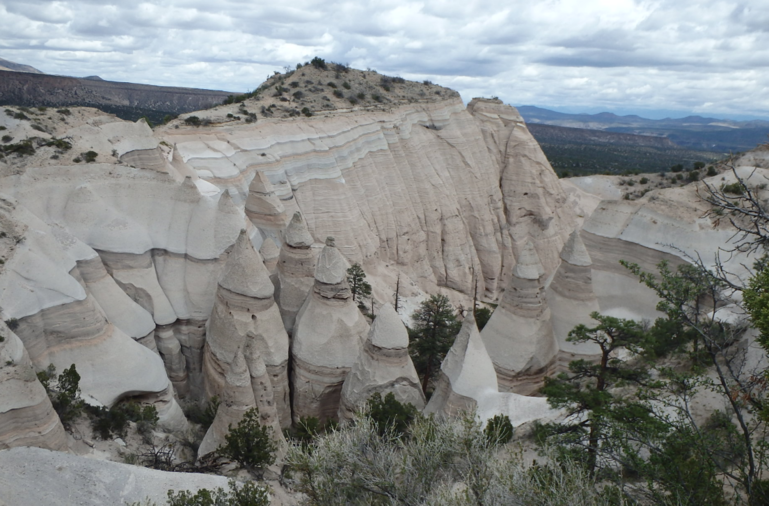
<point x="296" y="270"/>
<point x="263" y="207"/>
<point x="535" y="202"/>
<point x="270" y="253"/>
<point x="32" y="476"/>
<point x="246" y="325"/>
<point x="27" y="417"/>
<point x="383" y="366"/>
<point x="571" y="299"/>
<point x="519" y="334"/>
<point x="328" y="336"/>
<point x="467" y="374"/>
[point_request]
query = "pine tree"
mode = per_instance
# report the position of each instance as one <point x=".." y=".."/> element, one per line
<point x="357" y="280"/>
<point x="435" y="327"/>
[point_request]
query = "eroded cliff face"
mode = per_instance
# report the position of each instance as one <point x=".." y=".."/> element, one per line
<point x="117" y="266"/>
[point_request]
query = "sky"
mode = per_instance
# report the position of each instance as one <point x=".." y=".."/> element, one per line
<point x="652" y="58"/>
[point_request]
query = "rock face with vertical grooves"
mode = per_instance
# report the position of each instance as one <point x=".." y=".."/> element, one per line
<point x="519" y="334"/>
<point x="296" y="270"/>
<point x="467" y="374"/>
<point x="571" y="299"/>
<point x="246" y="321"/>
<point x="383" y="366"/>
<point x="327" y="339"/>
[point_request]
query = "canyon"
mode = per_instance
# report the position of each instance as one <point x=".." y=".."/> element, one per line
<point x="208" y="257"/>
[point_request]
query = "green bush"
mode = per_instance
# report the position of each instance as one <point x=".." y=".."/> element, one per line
<point x="249" y="494"/>
<point x="114" y="421"/>
<point x="203" y="415"/>
<point x="7" y="139"/>
<point x="498" y="430"/>
<point x="389" y="415"/>
<point x="319" y="63"/>
<point x="644" y="180"/>
<point x="64" y="392"/>
<point x="331" y="84"/>
<point x="89" y="156"/>
<point x="250" y="443"/>
<point x="338" y="94"/>
<point x="712" y="171"/>
<point x="361" y="96"/>
<point x="733" y="188"/>
<point x="482" y="317"/>
<point x="677" y="168"/>
<point x="693" y="175"/>
<point x="192" y="120"/>
<point x="306" y="111"/>
<point x="346" y="85"/>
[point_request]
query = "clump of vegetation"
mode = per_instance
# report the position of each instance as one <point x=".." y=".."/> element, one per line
<point x="346" y="85"/>
<point x="352" y="100"/>
<point x="203" y="415"/>
<point x="498" y="430"/>
<point x="7" y="139"/>
<point x="22" y="148"/>
<point x="356" y="278"/>
<point x="306" y="111"/>
<point x="338" y="94"/>
<point x="361" y="96"/>
<point x="435" y="327"/>
<point x="331" y="84"/>
<point x="644" y="180"/>
<point x="58" y="144"/>
<point x="482" y="317"/>
<point x="677" y="168"/>
<point x="89" y="156"/>
<point x="712" y="171"/>
<point x="389" y="415"/>
<point x="734" y="189"/>
<point x="248" y="494"/>
<point x="318" y="63"/>
<point x="64" y="392"/>
<point x="448" y="462"/>
<point x="192" y="120"/>
<point x="64" y="112"/>
<point x="109" y="422"/>
<point x="250" y="443"/>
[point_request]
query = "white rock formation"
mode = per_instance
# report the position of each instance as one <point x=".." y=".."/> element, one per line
<point x="327" y="339"/>
<point x="519" y="334"/>
<point x="33" y="476"/>
<point x="383" y="366"/>
<point x="467" y="383"/>
<point x="263" y="207"/>
<point x="571" y="299"/>
<point x="296" y="270"/>
<point x="246" y="324"/>
<point x="27" y="417"/>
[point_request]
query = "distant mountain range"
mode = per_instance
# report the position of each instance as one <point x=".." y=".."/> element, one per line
<point x="27" y="86"/>
<point x="691" y="132"/>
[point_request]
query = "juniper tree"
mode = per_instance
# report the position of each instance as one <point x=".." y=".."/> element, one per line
<point x="357" y="280"/>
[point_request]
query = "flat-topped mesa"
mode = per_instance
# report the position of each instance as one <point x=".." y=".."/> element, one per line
<point x="519" y="334"/>
<point x="327" y="339"/>
<point x="383" y="366"/>
<point x="296" y="270"/>
<point x="571" y="299"/>
<point x="467" y="374"/>
<point x="263" y="207"/>
<point x="27" y="417"/>
<point x="246" y="317"/>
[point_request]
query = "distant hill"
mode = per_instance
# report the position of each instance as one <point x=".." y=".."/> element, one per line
<point x="126" y="100"/>
<point x="580" y="151"/>
<point x="17" y="67"/>
<point x="693" y="132"/>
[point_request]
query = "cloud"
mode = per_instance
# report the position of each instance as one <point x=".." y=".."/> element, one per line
<point x="699" y="55"/>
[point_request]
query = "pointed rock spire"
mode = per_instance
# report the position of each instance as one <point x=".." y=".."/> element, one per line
<point x="383" y="366"/>
<point x="263" y="207"/>
<point x="296" y="234"/>
<point x="244" y="272"/>
<point x="574" y="251"/>
<point x="269" y="251"/>
<point x="332" y="266"/>
<point x="528" y="266"/>
<point x="467" y="374"/>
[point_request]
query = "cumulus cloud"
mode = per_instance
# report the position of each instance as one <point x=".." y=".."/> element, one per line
<point x="708" y="56"/>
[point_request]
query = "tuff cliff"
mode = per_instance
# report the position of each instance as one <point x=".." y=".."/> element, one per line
<point x="132" y="253"/>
